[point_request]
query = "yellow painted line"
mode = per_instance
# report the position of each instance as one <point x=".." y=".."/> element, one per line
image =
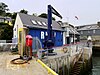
<point x="49" y="69"/>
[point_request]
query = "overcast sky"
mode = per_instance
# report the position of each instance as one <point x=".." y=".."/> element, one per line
<point x="87" y="11"/>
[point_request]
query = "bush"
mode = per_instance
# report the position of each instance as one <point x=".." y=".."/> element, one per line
<point x="6" y="33"/>
<point x="2" y="23"/>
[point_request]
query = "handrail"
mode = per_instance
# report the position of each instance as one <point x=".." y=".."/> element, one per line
<point x="49" y="69"/>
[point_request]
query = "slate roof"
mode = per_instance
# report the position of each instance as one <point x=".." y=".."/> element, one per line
<point x="72" y="30"/>
<point x="89" y="27"/>
<point x="27" y="21"/>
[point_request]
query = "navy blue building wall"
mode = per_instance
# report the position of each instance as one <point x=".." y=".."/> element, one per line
<point x="58" y="36"/>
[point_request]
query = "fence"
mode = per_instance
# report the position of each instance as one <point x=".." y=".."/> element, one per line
<point x="7" y="46"/>
<point x="5" y="41"/>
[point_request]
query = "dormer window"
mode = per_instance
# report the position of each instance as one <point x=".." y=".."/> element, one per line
<point x="44" y="23"/>
<point x="34" y="22"/>
<point x="39" y="22"/>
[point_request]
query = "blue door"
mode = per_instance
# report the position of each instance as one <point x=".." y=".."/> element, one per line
<point x="59" y="38"/>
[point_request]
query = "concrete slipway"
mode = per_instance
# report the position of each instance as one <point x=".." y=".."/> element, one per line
<point x="30" y="68"/>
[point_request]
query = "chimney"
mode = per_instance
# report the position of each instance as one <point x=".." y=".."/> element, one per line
<point x="98" y="23"/>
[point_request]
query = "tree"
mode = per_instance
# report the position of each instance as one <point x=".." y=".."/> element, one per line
<point x="9" y="14"/>
<point x="34" y="14"/>
<point x="44" y="15"/>
<point x="14" y="17"/>
<point x="24" y="11"/>
<point x="6" y="33"/>
<point x="3" y="9"/>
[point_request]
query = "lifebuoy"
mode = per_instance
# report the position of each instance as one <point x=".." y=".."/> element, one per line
<point x="65" y="49"/>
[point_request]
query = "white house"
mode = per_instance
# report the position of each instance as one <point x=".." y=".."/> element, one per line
<point x="6" y="20"/>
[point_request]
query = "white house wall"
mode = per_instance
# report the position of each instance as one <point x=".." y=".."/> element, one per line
<point x="18" y="24"/>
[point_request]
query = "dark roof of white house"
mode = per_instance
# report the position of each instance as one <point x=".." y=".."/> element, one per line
<point x="6" y="18"/>
<point x="37" y="22"/>
<point x="72" y="30"/>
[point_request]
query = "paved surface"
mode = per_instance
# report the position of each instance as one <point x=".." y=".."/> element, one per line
<point x="30" y="68"/>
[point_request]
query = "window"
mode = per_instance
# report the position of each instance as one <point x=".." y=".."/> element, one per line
<point x="39" y="22"/>
<point x="89" y="27"/>
<point x="71" y="39"/>
<point x="61" y="33"/>
<point x="15" y="29"/>
<point x="54" y="34"/>
<point x="34" y="22"/>
<point x="81" y="32"/>
<point x="44" y="23"/>
<point x="88" y="31"/>
<point x="93" y="31"/>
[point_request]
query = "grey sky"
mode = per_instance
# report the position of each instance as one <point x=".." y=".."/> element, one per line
<point x="88" y="11"/>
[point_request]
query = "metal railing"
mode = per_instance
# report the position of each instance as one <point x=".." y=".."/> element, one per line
<point x="64" y="60"/>
<point x="7" y="46"/>
<point x="62" y="63"/>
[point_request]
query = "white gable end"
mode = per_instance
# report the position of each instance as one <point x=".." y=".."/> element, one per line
<point x="18" y="24"/>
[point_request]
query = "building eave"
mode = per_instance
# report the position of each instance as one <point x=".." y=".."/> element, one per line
<point x="40" y="27"/>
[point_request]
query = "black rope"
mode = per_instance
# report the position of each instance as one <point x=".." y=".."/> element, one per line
<point x="14" y="61"/>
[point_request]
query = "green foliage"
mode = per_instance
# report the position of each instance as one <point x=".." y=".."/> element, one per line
<point x="34" y="14"/>
<point x="9" y="14"/>
<point x="6" y="32"/>
<point x="13" y="17"/>
<point x="44" y="15"/>
<point x="2" y="23"/>
<point x="3" y="9"/>
<point x="24" y="11"/>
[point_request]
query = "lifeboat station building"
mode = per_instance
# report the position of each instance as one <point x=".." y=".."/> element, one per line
<point x="37" y="28"/>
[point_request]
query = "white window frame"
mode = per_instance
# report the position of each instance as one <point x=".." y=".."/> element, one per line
<point x="81" y="32"/>
<point x="34" y="22"/>
<point x="44" y="23"/>
<point x="94" y="31"/>
<point x="54" y="34"/>
<point x="39" y="22"/>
